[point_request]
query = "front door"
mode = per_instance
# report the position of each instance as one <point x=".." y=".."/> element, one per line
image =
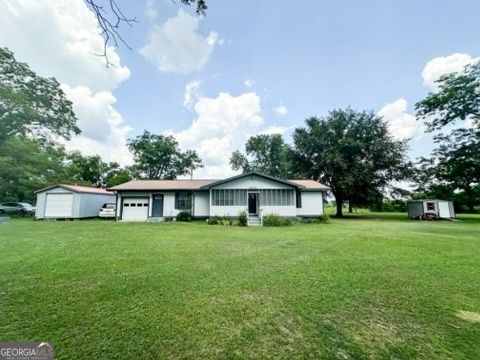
<point x="252" y="203"/>
<point x="157" y="205"/>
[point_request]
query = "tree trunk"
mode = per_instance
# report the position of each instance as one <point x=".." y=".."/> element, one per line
<point x="350" y="207"/>
<point x="470" y="202"/>
<point x="471" y="207"/>
<point x="339" y="202"/>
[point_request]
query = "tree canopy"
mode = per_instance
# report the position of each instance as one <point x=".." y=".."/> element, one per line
<point x="352" y="152"/>
<point x="265" y="153"/>
<point x="30" y="104"/>
<point x="93" y="171"/>
<point x="159" y="157"/>
<point x="34" y="113"/>
<point x="457" y="98"/>
<point x="27" y="165"/>
<point x="453" y="170"/>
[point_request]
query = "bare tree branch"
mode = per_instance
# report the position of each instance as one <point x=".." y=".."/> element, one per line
<point x="110" y="21"/>
<point x="111" y="18"/>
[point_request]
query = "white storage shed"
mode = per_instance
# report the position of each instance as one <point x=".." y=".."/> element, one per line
<point x="430" y="209"/>
<point x="71" y="201"/>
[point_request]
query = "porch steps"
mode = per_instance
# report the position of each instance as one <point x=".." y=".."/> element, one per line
<point x="254" y="221"/>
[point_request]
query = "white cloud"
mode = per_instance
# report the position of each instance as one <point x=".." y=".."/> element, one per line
<point x="177" y="47"/>
<point x="249" y="83"/>
<point x="150" y="11"/>
<point x="60" y="38"/>
<point x="191" y="94"/>
<point x="402" y="124"/>
<point x="281" y="110"/>
<point x="103" y="130"/>
<point x="274" y="129"/>
<point x="222" y="125"/>
<point x="443" y="65"/>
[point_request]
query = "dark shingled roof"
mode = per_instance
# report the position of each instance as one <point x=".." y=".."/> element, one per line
<point x="203" y="184"/>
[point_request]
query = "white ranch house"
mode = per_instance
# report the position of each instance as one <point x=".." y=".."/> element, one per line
<point x="258" y="194"/>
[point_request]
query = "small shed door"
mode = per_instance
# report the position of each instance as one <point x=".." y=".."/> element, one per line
<point x="59" y="205"/>
<point x="415" y="210"/>
<point x="443" y="209"/>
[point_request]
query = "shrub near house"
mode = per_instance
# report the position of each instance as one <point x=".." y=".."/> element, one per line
<point x="275" y="220"/>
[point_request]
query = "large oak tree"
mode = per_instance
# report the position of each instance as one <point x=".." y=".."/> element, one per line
<point x="452" y="171"/>
<point x="160" y="157"/>
<point x="350" y="151"/>
<point x="30" y="104"/>
<point x="264" y="153"/>
<point x="457" y="97"/>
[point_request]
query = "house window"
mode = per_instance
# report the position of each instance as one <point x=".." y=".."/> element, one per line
<point x="430" y="206"/>
<point x="183" y="200"/>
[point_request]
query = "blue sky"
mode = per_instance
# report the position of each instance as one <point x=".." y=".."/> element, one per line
<point x="300" y="58"/>
<point x="312" y="58"/>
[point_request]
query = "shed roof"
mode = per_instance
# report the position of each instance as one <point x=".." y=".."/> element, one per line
<point x="78" y="189"/>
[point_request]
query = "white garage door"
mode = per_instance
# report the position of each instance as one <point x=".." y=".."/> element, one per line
<point x="135" y="209"/>
<point x="59" y="205"/>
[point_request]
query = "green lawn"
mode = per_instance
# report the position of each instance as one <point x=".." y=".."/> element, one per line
<point x="365" y="287"/>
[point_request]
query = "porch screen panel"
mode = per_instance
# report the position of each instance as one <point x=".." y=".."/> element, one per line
<point x="276" y="197"/>
<point x="229" y="197"/>
<point x="243" y="197"/>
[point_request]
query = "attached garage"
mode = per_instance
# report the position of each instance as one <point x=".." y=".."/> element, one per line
<point x="71" y="201"/>
<point x="135" y="208"/>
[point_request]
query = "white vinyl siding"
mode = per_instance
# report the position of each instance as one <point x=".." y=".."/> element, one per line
<point x="312" y="204"/>
<point x="201" y="204"/>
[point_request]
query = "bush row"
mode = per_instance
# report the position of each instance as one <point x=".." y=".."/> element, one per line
<point x="242" y="219"/>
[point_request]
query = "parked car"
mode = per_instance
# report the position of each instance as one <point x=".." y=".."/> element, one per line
<point x="107" y="210"/>
<point x="18" y="208"/>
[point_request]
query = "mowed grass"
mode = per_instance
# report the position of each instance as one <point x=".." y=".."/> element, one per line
<point x="371" y="286"/>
